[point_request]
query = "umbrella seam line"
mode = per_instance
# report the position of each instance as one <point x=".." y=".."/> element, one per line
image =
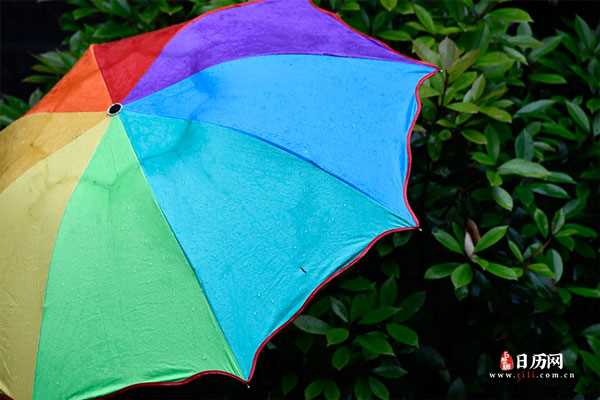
<point x="189" y="262"/>
<point x="293" y="154"/>
<point x="93" y="153"/>
<point x="93" y="52"/>
<point x="369" y="38"/>
<point x="181" y="29"/>
<point x="273" y="54"/>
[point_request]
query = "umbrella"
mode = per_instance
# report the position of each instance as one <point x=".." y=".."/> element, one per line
<point x="179" y="196"/>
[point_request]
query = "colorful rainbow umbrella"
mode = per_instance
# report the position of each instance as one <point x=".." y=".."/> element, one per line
<point x="178" y="196"/>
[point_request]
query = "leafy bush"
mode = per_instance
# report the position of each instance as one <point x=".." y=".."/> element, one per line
<point x="505" y="181"/>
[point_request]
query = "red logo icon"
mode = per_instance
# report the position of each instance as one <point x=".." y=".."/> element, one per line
<point x="506" y="362"/>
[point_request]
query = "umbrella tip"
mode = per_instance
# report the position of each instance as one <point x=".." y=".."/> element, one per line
<point x="420" y="229"/>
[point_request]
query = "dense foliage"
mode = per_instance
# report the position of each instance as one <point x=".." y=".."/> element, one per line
<point x="505" y="181"/>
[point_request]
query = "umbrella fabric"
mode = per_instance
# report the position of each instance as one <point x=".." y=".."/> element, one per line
<point x="256" y="152"/>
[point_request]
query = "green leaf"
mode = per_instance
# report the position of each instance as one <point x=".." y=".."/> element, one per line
<point x="592" y="361"/>
<point x="476" y="90"/>
<point x="362" y="390"/>
<point x="40" y="79"/>
<point x="558" y="130"/>
<point x="410" y="305"/>
<point x="468" y="108"/>
<point x="378" y="388"/>
<point x="515" y="54"/>
<point x="424" y="52"/>
<point x="491" y="237"/>
<point x="448" y="52"/>
<point x="518" y="166"/>
<point x="361" y="304"/>
<point x="510" y="15"/>
<point x="403" y="334"/>
<point x="580" y="230"/>
<point x="34" y="97"/>
<point x="593" y="104"/>
<point x="594" y="343"/>
<point x="585" y="292"/>
<point x="496" y="113"/>
<point x="113" y="30"/>
<point x="586" y="35"/>
<point x="503" y="198"/>
<point x="493" y="178"/>
<point x="558" y="221"/>
<point x="596" y="125"/>
<point x="121" y="8"/>
<point x="390" y="370"/>
<point x="384" y="248"/>
<point x="288" y="383"/>
<point x="401" y="238"/>
<point x="395" y="36"/>
<point x="331" y="390"/>
<point x="567" y="242"/>
<point x="550" y="190"/>
<point x="462" y="276"/>
<point x="341" y="357"/>
<point x="336" y="336"/>
<point x="495" y="63"/>
<point x="389" y="4"/>
<point x="483" y="158"/>
<point x="439" y="271"/>
<point x="541" y="221"/>
<point x="548" y="45"/>
<point x="310" y="324"/>
<point x="535" y="107"/>
<point x="375" y="343"/>
<point x="551" y="79"/>
<point x="462" y="64"/>
<point x="560" y="177"/>
<point x="499" y="270"/>
<point x="351" y="6"/>
<point x="592" y="330"/>
<point x="473" y="136"/>
<point x="171" y="9"/>
<point x="555" y="263"/>
<point x="83" y="12"/>
<point x="53" y="60"/>
<point x="339" y="309"/>
<point x="378" y="315"/>
<point x="541" y="269"/>
<point x="425" y="18"/>
<point x="314" y="389"/>
<point x="524" y="146"/>
<point x="502" y="271"/>
<point x="515" y="250"/>
<point x="447" y="241"/>
<point x="578" y="115"/>
<point x="388" y="292"/>
<point x="462" y="82"/>
<point x="492" y="142"/>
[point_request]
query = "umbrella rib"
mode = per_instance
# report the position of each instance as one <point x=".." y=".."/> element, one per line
<point x="288" y="151"/>
<point x="237" y="367"/>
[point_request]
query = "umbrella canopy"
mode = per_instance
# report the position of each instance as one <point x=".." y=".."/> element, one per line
<point x="179" y="196"/>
